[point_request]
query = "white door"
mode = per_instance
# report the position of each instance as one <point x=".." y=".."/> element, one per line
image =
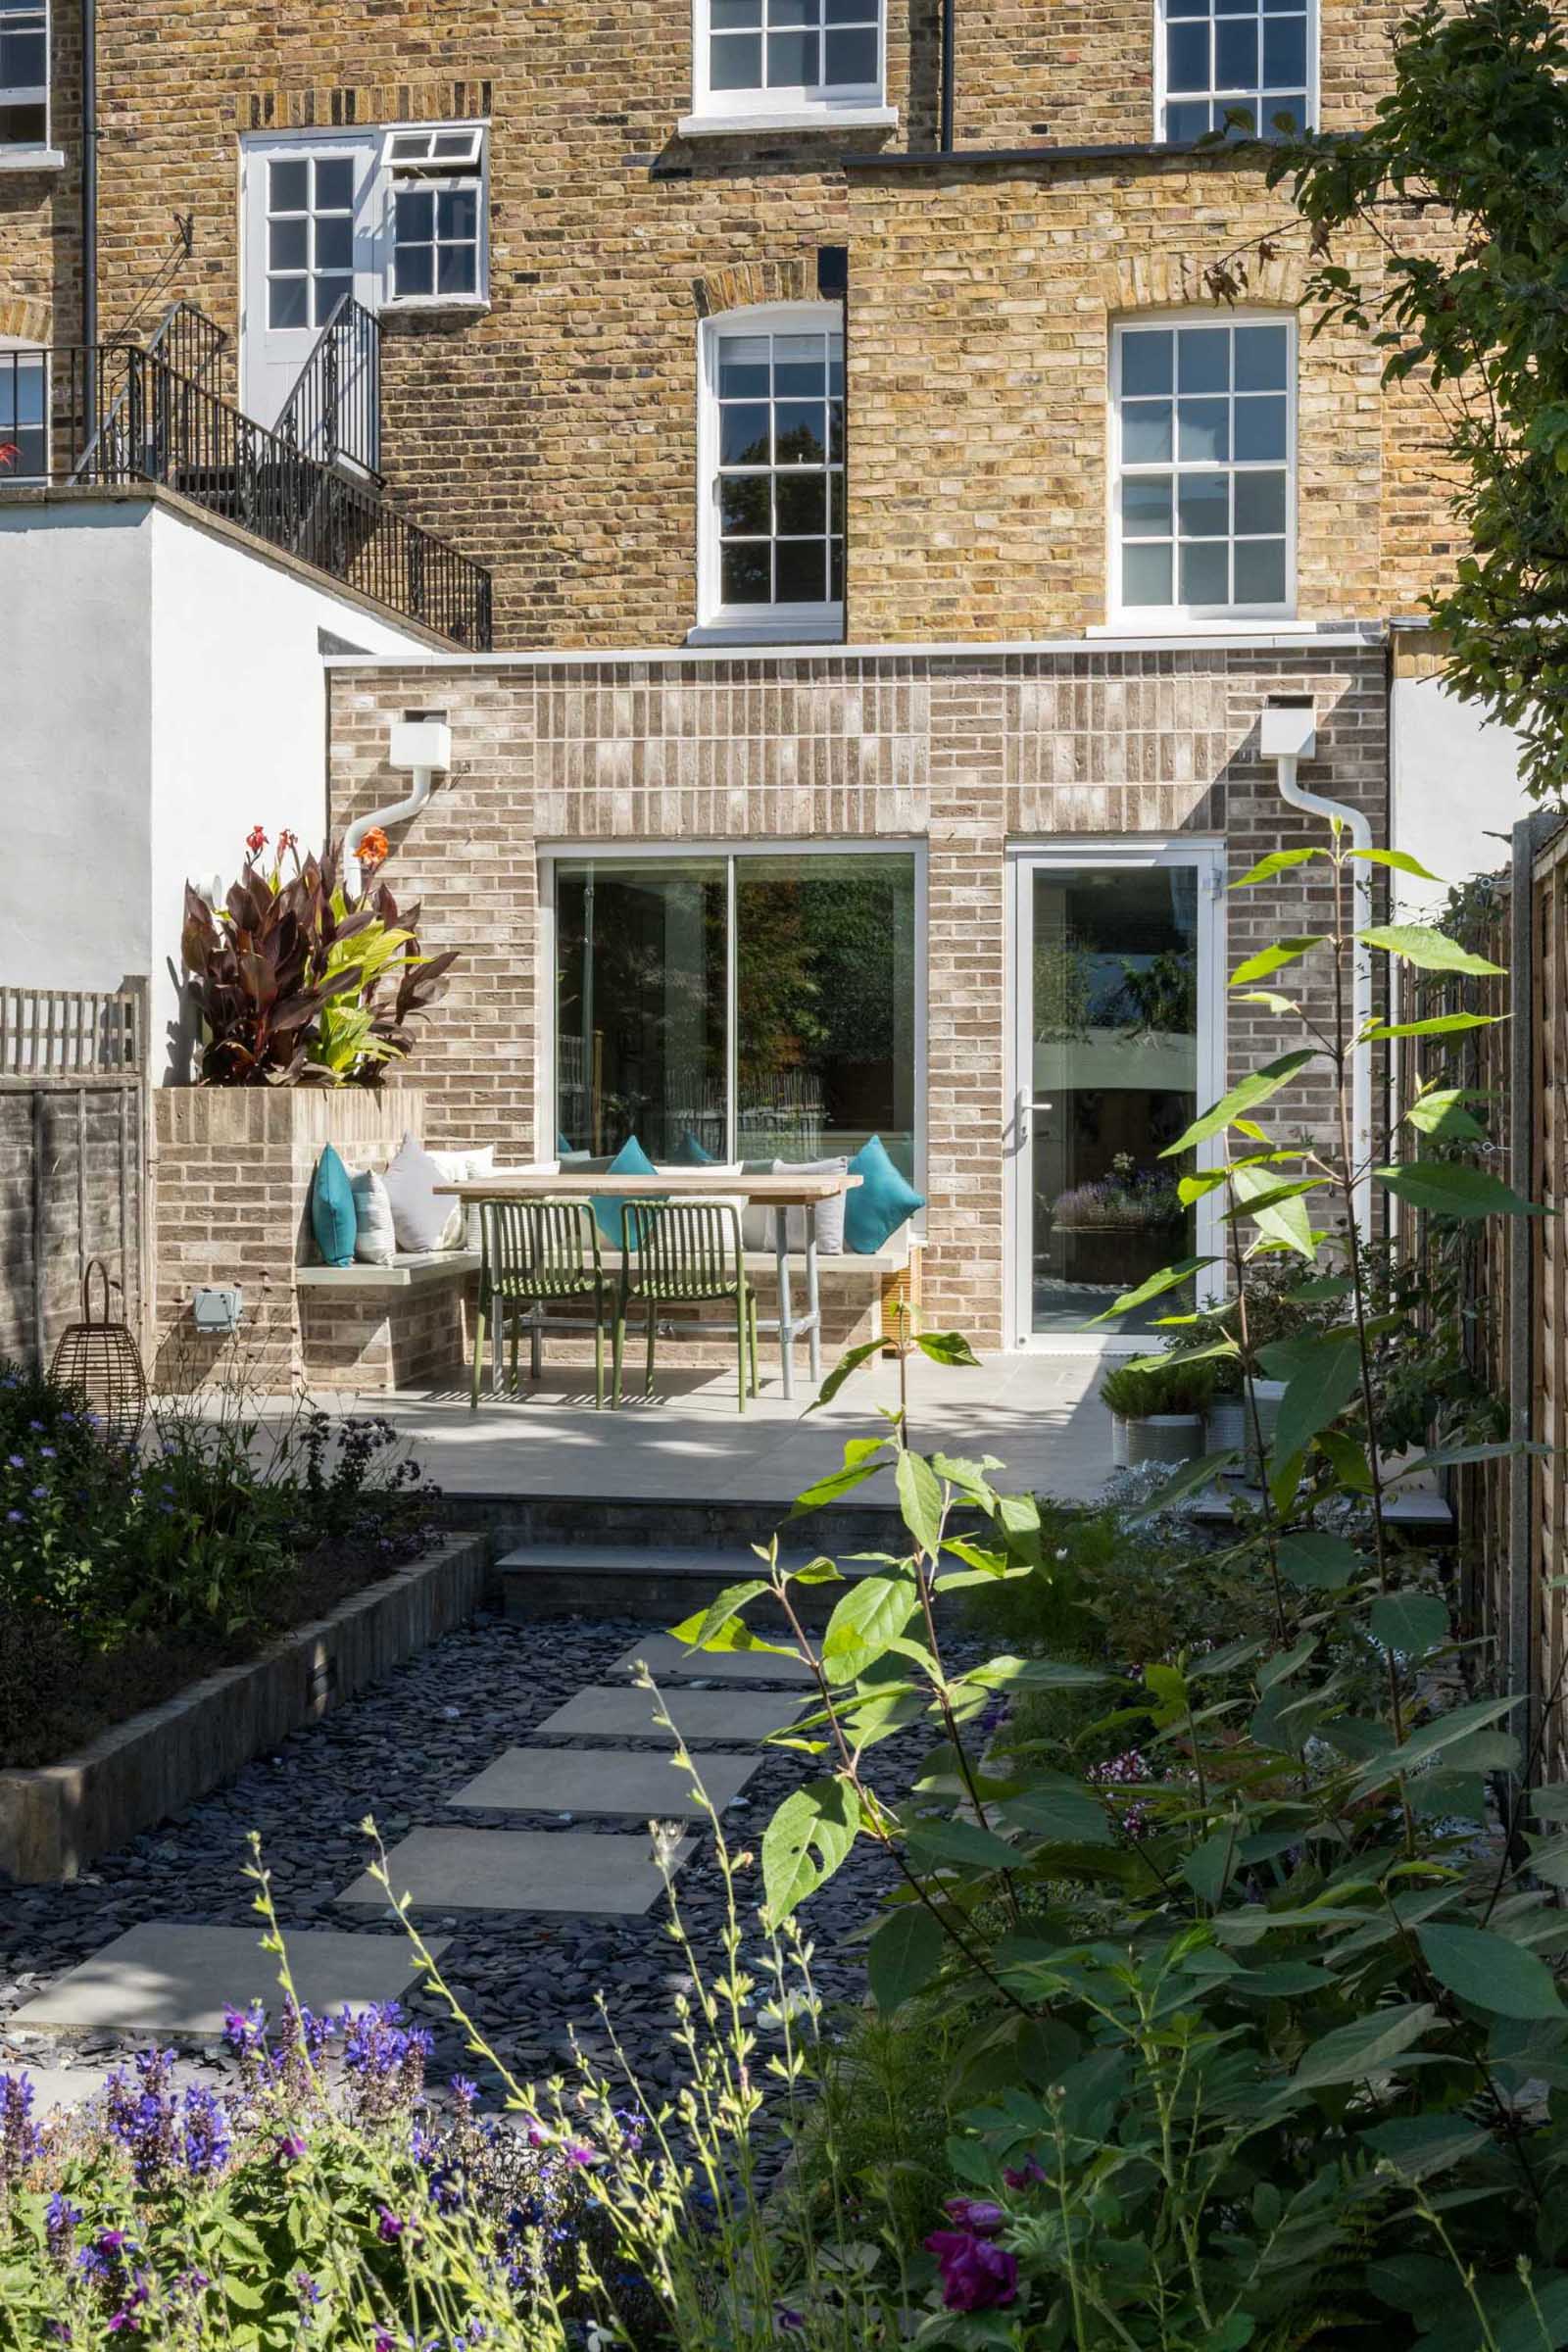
<point x="1118" y="1043"/>
<point x="311" y="236"/>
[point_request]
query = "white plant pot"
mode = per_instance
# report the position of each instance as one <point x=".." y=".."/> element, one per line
<point x="1118" y="1441"/>
<point x="1169" y="1437"/>
<point x="1230" y="1426"/>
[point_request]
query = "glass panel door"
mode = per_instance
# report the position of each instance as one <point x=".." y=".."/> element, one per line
<point x="1111" y="1064"/>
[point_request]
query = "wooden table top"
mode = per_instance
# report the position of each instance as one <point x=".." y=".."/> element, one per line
<point x="782" y="1191"/>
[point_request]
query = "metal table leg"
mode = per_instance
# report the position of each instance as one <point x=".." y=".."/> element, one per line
<point x="786" y="1327"/>
<point x="814" y="1301"/>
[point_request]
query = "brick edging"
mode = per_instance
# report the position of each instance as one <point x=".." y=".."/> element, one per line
<point x="56" y="1818"/>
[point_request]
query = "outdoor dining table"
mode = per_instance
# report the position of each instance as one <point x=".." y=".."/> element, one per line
<point x="779" y="1191"/>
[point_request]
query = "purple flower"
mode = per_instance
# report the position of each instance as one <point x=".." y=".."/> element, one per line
<point x="21" y="2140"/>
<point x="580" y="2153"/>
<point x="16" y="1462"/>
<point x="390" y="2227"/>
<point x="14" y="1518"/>
<point x="976" y="2275"/>
<point x="291" y="2147"/>
<point x="978" y="2214"/>
<point x="1022" y="2176"/>
<point x="60" y="2219"/>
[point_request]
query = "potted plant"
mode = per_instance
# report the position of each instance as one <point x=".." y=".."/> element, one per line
<point x="1159" y="1409"/>
<point x="1275" y="1310"/>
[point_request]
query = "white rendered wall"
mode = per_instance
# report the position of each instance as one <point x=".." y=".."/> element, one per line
<point x="162" y="691"/>
<point x="1454" y="788"/>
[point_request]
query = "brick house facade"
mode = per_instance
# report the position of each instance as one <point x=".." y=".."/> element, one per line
<point x="994" y="675"/>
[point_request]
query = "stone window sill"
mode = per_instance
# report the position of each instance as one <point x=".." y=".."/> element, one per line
<point x="764" y="633"/>
<point x="450" y="306"/>
<point x="31" y="158"/>
<point x="794" y="118"/>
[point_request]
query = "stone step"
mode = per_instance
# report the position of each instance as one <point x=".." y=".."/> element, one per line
<point x="602" y="1781"/>
<point x="589" y="1874"/>
<point x="683" y="1519"/>
<point x="702" y="1717"/>
<point x="660" y="1584"/>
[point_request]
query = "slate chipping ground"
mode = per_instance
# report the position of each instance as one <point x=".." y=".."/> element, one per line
<point x="402" y="1753"/>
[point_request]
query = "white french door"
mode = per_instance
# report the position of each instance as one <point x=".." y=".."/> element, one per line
<point x="311" y="234"/>
<point x="1118" y="1040"/>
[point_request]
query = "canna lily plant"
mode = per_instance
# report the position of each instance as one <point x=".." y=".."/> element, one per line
<point x="298" y="981"/>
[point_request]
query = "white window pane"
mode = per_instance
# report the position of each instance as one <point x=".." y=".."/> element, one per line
<point x="1203" y="432"/>
<point x="744" y="367"/>
<point x="1146" y="506"/>
<point x="334" y="183"/>
<point x="1146" y="575"/>
<point x="1236" y="55"/>
<point x="288" y="244"/>
<point x="745" y="433"/>
<point x="334" y="242"/>
<point x="1189" y="119"/>
<point x="1260" y="503"/>
<point x="800" y="365"/>
<point x="1206" y="572"/>
<point x="1146" y="433"/>
<point x="1260" y="358"/>
<point x="850" y="58"/>
<point x="1203" y="359"/>
<point x="288" y="186"/>
<point x="1284" y="53"/>
<point x="735" y="62"/>
<point x="1187" y="56"/>
<point x="1204" y="506"/>
<point x="1261" y="425"/>
<point x="1147" y="361"/>
<point x="416" y="269"/>
<point x="330" y="293"/>
<point x="415" y="217"/>
<point x="457" y="269"/>
<point x="288" y="302"/>
<point x="1260" y="571"/>
<point x="792" y="61"/>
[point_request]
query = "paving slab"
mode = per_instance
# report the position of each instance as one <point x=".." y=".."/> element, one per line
<point x="669" y="1660"/>
<point x="598" y="1876"/>
<point x="67" y="2086"/>
<point x="167" y="1977"/>
<point x="602" y="1780"/>
<point x="603" y="1712"/>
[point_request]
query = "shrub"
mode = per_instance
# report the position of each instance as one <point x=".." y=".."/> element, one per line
<point x="1171" y="1385"/>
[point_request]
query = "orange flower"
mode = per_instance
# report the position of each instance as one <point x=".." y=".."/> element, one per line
<point x="375" y="847"/>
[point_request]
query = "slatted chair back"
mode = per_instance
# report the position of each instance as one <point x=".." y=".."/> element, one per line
<point x="541" y="1249"/>
<point x="684" y="1250"/>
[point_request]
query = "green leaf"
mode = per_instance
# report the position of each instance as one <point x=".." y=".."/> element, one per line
<point x="1368" y="2045"/>
<point x="838" y="1482"/>
<point x="1429" y="950"/>
<point x="805" y="1842"/>
<point x="1166" y="1280"/>
<point x="946" y="1348"/>
<point x="1284" y="951"/>
<point x="1431" y="1740"/>
<point x="1400" y="862"/>
<point x="1491" y="1972"/>
<point x="961" y="1843"/>
<point x="1449" y="1190"/>
<point x="1278" y="862"/>
<point x="847" y="1363"/>
<point x="1440" y="1024"/>
<point x="1317" y="1393"/>
<point x="1208" y="1868"/>
<point x="1278" y="1210"/>
<point x="1269" y="997"/>
<point x="872" y="1613"/>
<point x="1442" y="1112"/>
<point x="696" y="1632"/>
<point x="920" y="1500"/>
<point x="1319" y="1563"/>
<point x="904" y="1954"/>
<point x="1060" y="1810"/>
<point x="1411" y="1623"/>
<point x="1420" y="2144"/>
<point x="1253" y="1089"/>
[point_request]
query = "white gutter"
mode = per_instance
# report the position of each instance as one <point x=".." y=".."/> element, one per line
<point x="1288" y="735"/>
<point x="420" y="746"/>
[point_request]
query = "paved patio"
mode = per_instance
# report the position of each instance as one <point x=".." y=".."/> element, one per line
<point x="1041" y="1414"/>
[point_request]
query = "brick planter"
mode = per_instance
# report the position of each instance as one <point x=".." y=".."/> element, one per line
<point x="55" y="1820"/>
<point x="231" y="1203"/>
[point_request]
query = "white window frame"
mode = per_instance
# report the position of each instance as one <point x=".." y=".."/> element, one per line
<point x="1311" y="85"/>
<point x="554" y="854"/>
<point x="860" y="104"/>
<point x="750" y="624"/>
<point x="13" y="347"/>
<point x="439" y="175"/>
<point x="1124" y="616"/>
<point x="31" y="93"/>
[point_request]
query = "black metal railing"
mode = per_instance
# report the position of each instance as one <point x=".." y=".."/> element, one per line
<point x="188" y="341"/>
<point x="335" y="411"/>
<point x="109" y="415"/>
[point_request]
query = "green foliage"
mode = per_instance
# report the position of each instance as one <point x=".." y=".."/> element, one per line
<point x="1173" y="1385"/>
<point x="1471" y="140"/>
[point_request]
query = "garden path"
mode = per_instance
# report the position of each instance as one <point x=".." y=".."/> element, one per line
<point x="549" y="1899"/>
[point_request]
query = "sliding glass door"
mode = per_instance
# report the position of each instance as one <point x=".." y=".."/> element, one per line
<point x="1118" y="1035"/>
<point x="745" y="1007"/>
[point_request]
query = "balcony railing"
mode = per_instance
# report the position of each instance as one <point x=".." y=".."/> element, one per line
<point x="335" y="411"/>
<point x="114" y="416"/>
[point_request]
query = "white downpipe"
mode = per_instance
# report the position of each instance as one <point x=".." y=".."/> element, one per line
<point x="1315" y="803"/>
<point x="392" y="815"/>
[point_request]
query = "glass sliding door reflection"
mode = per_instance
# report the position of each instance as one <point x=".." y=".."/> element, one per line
<point x="825" y="1043"/>
<point x="1114" y="1047"/>
<point x="642" y="984"/>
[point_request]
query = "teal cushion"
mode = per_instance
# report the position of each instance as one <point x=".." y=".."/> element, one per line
<point x="875" y="1208"/>
<point x="630" y="1160"/>
<point x="689" y="1152"/>
<point x="562" y="1147"/>
<point x="332" y="1218"/>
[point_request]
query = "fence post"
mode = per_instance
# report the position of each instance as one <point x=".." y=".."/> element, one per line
<point x="1521" y="1258"/>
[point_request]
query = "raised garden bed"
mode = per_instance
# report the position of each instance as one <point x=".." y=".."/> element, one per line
<point x="56" y="1818"/>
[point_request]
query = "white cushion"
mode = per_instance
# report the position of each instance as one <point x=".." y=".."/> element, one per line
<point x="421" y="1218"/>
<point x="467" y="1168"/>
<point x="761" y="1223"/>
<point x="374" y="1242"/>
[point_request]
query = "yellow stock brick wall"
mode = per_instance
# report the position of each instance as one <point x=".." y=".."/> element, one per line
<point x="555" y="437"/>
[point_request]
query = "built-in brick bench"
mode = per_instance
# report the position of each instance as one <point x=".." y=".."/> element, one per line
<point x="388" y="1327"/>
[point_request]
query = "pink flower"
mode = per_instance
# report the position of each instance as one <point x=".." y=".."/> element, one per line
<point x="978" y="2214"/>
<point x="976" y="2275"/>
<point x="254" y="842"/>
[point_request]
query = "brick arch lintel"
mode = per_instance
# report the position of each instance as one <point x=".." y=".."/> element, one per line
<point x="1178" y="280"/>
<point x="745" y="284"/>
<point x="25" y="317"/>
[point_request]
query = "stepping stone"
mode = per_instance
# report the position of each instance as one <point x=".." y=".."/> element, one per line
<point x="604" y="1877"/>
<point x="599" y="1779"/>
<point x="603" y="1713"/>
<point x="67" y="2086"/>
<point x="667" y="1658"/>
<point x="167" y="1977"/>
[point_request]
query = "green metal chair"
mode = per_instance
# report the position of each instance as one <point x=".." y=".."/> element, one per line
<point x="535" y="1254"/>
<point x="686" y="1253"/>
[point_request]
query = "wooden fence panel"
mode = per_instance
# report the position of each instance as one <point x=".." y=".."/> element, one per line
<point x="74" y="1159"/>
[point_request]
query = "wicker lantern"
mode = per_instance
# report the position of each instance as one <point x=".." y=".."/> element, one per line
<point x="99" y="1356"/>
